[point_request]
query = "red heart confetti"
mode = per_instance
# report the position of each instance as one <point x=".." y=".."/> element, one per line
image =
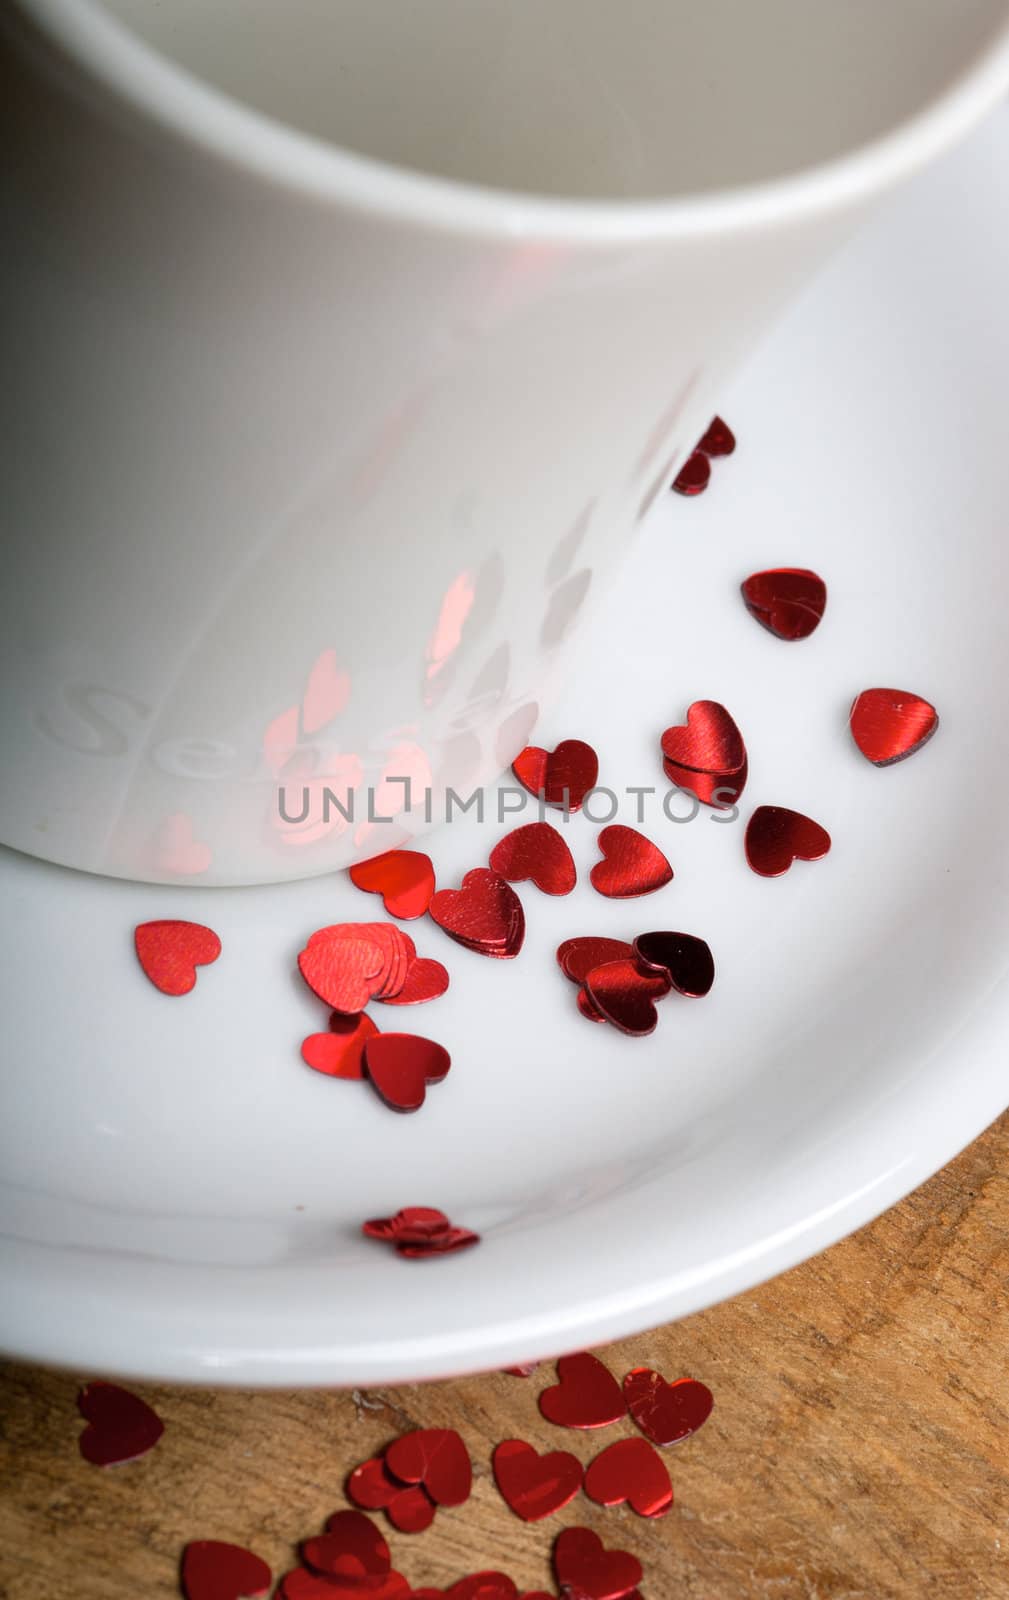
<point x="351" y="1551"/>
<point x="484" y="914"/>
<point x="586" y="1396"/>
<point x="560" y="777"/>
<point x="425" y="980"/>
<point x="582" y="1563"/>
<point x="400" y="1065"/>
<point x="404" y="879"/>
<point x="694" y="475"/>
<point x="888" y="725"/>
<point x="706" y="754"/>
<point x="340" y="1052"/>
<point x="300" y="1584"/>
<point x="213" y="1570"/>
<point x="371" y="1485"/>
<point x="576" y="957"/>
<point x="631" y="866"/>
<point x="410" y="1225"/>
<point x="484" y="1586"/>
<point x="121" y="1426"/>
<point x="535" y="853"/>
<point x="587" y="1006"/>
<point x="412" y="1510"/>
<point x="170" y="953"/>
<point x="535" y="1486"/>
<point x="686" y="960"/>
<point x="630" y="1470"/>
<point x="625" y="995"/>
<point x="788" y="601"/>
<point x="719" y="439"/>
<point x="345" y="972"/>
<point x="436" y="1458"/>
<point x="445" y="1244"/>
<point x="666" y="1412"/>
<point x="775" y="837"/>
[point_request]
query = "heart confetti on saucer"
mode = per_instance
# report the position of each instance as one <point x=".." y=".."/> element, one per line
<point x="577" y="957"/>
<point x="420" y="1231"/>
<point x="484" y="914"/>
<point x="686" y="960"/>
<point x="340" y="1052"/>
<point x="630" y="1470"/>
<point x="404" y="879"/>
<point x="401" y="1065"/>
<point x="121" y="1426"/>
<point x="775" y="837"/>
<point x="352" y="1551"/>
<point x="788" y="601"/>
<point x="214" y="1570"/>
<point x="584" y="1565"/>
<point x="625" y="995"/>
<point x="535" y="1486"/>
<point x="535" y="853"/>
<point x="631" y="864"/>
<point x="694" y="475"/>
<point x="706" y="754"/>
<point x="587" y="1394"/>
<point x="436" y="1458"/>
<point x="350" y="963"/>
<point x="888" y="725"/>
<point x="666" y="1412"/>
<point x="719" y="439"/>
<point x="170" y="953"/>
<point x="560" y="777"/>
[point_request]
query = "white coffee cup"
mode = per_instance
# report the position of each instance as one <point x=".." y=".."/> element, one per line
<point x="349" y="342"/>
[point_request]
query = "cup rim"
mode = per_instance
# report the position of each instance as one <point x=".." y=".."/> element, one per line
<point x="195" y="111"/>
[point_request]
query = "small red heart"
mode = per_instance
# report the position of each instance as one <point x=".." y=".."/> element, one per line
<point x="213" y="1570"/>
<point x="121" y="1426"/>
<point x="582" y="1563"/>
<point x="538" y="853"/>
<point x="694" y="475"/>
<point x="435" y="1457"/>
<point x="400" y="1065"/>
<point x="686" y="960"/>
<point x="351" y="1551"/>
<point x="631" y="864"/>
<point x="404" y="879"/>
<point x="412" y="1510"/>
<point x="629" y="1469"/>
<point x="788" y="601"/>
<point x="666" y="1412"/>
<point x="587" y="1395"/>
<point x="300" y="1584"/>
<point x="425" y="980"/>
<point x="561" y="777"/>
<point x="484" y="914"/>
<point x="706" y="754"/>
<point x="411" y="1225"/>
<point x="170" y="953"/>
<point x="340" y="1052"/>
<point x="445" y="1244"/>
<point x="345" y="972"/>
<point x="587" y="1006"/>
<point x="888" y="725"/>
<point x="576" y="957"/>
<point x="625" y="995"/>
<point x="775" y="837"/>
<point x="719" y="439"/>
<point x="371" y="1485"/>
<point x="483" y="1586"/>
<point x="535" y="1486"/>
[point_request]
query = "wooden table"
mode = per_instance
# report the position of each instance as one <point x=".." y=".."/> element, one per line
<point x="859" y="1447"/>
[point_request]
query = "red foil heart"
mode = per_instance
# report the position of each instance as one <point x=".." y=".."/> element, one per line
<point x="576" y="957"/>
<point x="719" y="439"/>
<point x="411" y="1225"/>
<point x="213" y="1570"/>
<point x="445" y="1244"/>
<point x="340" y="1052"/>
<point x="121" y="1426"/>
<point x="412" y="1510"/>
<point x="586" y="1396"/>
<point x="300" y="1584"/>
<point x="694" y="475"/>
<point x="483" y="1586"/>
<point x="370" y="1485"/>
<point x="560" y="777"/>
<point x="535" y="1486"/>
<point x="625" y="995"/>
<point x="706" y="754"/>
<point x="436" y="1458"/>
<point x="484" y="914"/>
<point x="351" y="1551"/>
<point x="788" y="601"/>
<point x="582" y="1563"/>
<point x="888" y="725"/>
<point x="631" y="864"/>
<point x="587" y="1006"/>
<point x="630" y="1470"/>
<point x="535" y="853"/>
<point x="425" y="980"/>
<point x="400" y="1065"/>
<point x="404" y="879"/>
<point x="170" y="953"/>
<point x="345" y="972"/>
<point x="775" y="837"/>
<point x="666" y="1412"/>
<point x="686" y="960"/>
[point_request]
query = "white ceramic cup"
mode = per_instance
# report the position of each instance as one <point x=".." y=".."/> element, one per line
<point x="349" y="343"/>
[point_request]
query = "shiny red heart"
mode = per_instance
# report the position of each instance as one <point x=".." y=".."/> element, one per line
<point x="535" y="1486"/>
<point x="582" y="1563"/>
<point x="170" y="953"/>
<point x="425" y="980"/>
<point x="121" y="1426"/>
<point x="587" y="1394"/>
<point x="632" y="865"/>
<point x="410" y="1225"/>
<point x="537" y="853"/>
<point x="775" y="837"/>
<point x="484" y="914"/>
<point x="686" y="960"/>
<point x="445" y="1244"/>
<point x="576" y="957"/>
<point x="587" y="1006"/>
<point x="562" y="777"/>
<point x="371" y="1485"/>
<point x="213" y="1570"/>
<point x="788" y="601"/>
<point x="626" y="995"/>
<point x="706" y="754"/>
<point x="888" y="725"/>
<point x="351" y="1551"/>
<point x="345" y="972"/>
<point x="483" y="1586"/>
<point x="694" y="475"/>
<point x="400" y="1065"/>
<point x="300" y="1584"/>
<point x="630" y="1470"/>
<point x="404" y="879"/>
<point x="412" y="1510"/>
<point x="340" y="1052"/>
<point x="719" y="439"/>
<point x="435" y="1457"/>
<point x="666" y="1412"/>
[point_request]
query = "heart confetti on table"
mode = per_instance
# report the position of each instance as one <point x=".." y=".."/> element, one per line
<point x="484" y="914"/>
<point x="587" y="1395"/>
<point x="775" y="837"/>
<point x="576" y="957"/>
<point x="352" y="1551"/>
<point x="694" y="475"/>
<point x="214" y="1570"/>
<point x="719" y="440"/>
<point x="302" y="1584"/>
<point x="583" y="1564"/>
<point x="121" y="1426"/>
<point x="535" y="1486"/>
<point x="631" y="866"/>
<point x="350" y="963"/>
<point x="686" y="960"/>
<point x="666" y="1412"/>
<point x="419" y="1231"/>
<point x="340" y="1052"/>
<point x="625" y="995"/>
<point x="788" y="601"/>
<point x="631" y="1471"/>
<point x="888" y="725"/>
<point x="170" y="952"/>
<point x="425" y="980"/>
<point x="408" y="1507"/>
<point x="404" y="878"/>
<point x="706" y="754"/>
<point x="560" y="777"/>
<point x="535" y="853"/>
<point x="436" y="1458"/>
<point x="401" y="1065"/>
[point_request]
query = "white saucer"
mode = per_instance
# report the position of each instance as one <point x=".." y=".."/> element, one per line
<point x="183" y="1196"/>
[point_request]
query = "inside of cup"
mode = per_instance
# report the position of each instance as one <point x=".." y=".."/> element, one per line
<point x="600" y="99"/>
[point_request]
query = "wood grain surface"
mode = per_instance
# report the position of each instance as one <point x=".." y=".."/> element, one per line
<point x="859" y="1446"/>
